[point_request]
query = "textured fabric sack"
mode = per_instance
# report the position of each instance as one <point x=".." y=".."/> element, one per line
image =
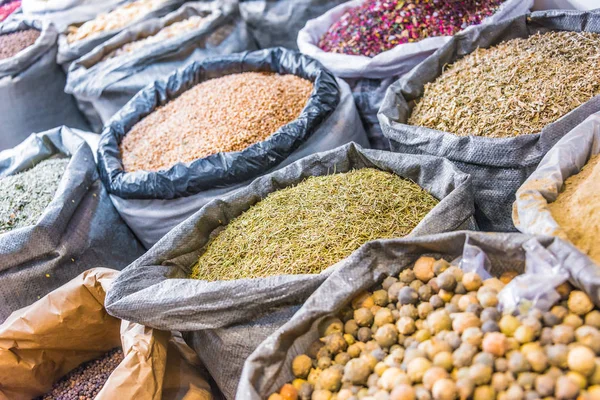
<point x="31" y="88"/>
<point x="498" y="165"/>
<point x="269" y="366"/>
<point x="69" y="52"/>
<point x="394" y="62"/>
<point x="80" y="228"/>
<point x="154" y="202"/>
<point x="103" y="88"/>
<point x="530" y="211"/>
<point x="41" y="343"/>
<point x="63" y="13"/>
<point x="225" y="320"/>
<point x="277" y="22"/>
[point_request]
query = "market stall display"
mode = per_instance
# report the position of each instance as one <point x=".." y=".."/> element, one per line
<point x="560" y="198"/>
<point x="262" y="135"/>
<point x="65" y="346"/>
<point x="103" y="84"/>
<point x="232" y="316"/>
<point x="32" y="97"/>
<point x="462" y="103"/>
<point x="56" y="219"/>
<point x="399" y="319"/>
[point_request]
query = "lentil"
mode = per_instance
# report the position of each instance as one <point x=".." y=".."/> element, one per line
<point x="116" y="19"/>
<point x="474" y="365"/>
<point x="13" y="43"/>
<point x="25" y="196"/>
<point x="85" y="381"/>
<point x="308" y="227"/>
<point x="174" y="30"/>
<point x="515" y="88"/>
<point x="219" y="115"/>
<point x="377" y="25"/>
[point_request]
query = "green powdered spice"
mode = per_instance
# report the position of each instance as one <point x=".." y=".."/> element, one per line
<point x="306" y="228"/>
<point x="515" y="88"/>
<point x="25" y="196"/>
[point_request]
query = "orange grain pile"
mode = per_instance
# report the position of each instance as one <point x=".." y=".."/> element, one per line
<point x="219" y="115"/>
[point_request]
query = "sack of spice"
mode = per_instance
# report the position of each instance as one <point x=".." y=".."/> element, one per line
<point x="8" y="8"/>
<point x="493" y="101"/>
<point x="56" y="219"/>
<point x="562" y="196"/>
<point x="106" y="78"/>
<point x="214" y="126"/>
<point x="65" y="346"/>
<point x="237" y="269"/>
<point x="442" y="336"/>
<point x="371" y="43"/>
<point x="82" y="36"/>
<point x="32" y="97"/>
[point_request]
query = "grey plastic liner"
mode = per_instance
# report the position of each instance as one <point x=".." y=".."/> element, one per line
<point x="80" y="229"/>
<point x="154" y="202"/>
<point x="31" y="87"/>
<point x="277" y="22"/>
<point x="498" y="165"/>
<point x="103" y="88"/>
<point x="568" y="156"/>
<point x="269" y="366"/>
<point x="227" y="319"/>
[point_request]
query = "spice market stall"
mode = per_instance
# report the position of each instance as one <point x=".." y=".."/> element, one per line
<point x="496" y="98"/>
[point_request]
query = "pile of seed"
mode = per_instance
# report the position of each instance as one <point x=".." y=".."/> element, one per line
<point x="116" y="19"/>
<point x="308" y="227"/>
<point x="9" y="8"/>
<point x="15" y="42"/>
<point x="436" y="333"/>
<point x="25" y="196"/>
<point x="174" y="30"/>
<point x="84" y="382"/>
<point x="224" y="114"/>
<point x="515" y="88"/>
<point x="380" y="25"/>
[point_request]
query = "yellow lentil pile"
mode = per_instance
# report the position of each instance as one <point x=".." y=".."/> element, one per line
<point x="224" y="114"/>
<point x="515" y="88"/>
<point x="308" y="227"/>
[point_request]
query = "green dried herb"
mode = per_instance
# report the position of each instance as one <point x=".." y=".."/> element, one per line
<point x="515" y="88"/>
<point x="25" y="196"/>
<point x="306" y="228"/>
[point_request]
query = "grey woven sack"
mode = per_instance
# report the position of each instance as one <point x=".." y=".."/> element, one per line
<point x="226" y="320"/>
<point x="69" y="52"/>
<point x="498" y="165"/>
<point x="104" y="87"/>
<point x="568" y="156"/>
<point x="80" y="229"/>
<point x="269" y="366"/>
<point x="277" y="22"/>
<point x="31" y="88"/>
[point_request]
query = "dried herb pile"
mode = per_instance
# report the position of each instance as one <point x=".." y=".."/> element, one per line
<point x="435" y="332"/>
<point x="86" y="381"/>
<point x="223" y="114"/>
<point x="380" y="25"/>
<point x="308" y="227"/>
<point x="515" y="88"/>
<point x="25" y="196"/>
